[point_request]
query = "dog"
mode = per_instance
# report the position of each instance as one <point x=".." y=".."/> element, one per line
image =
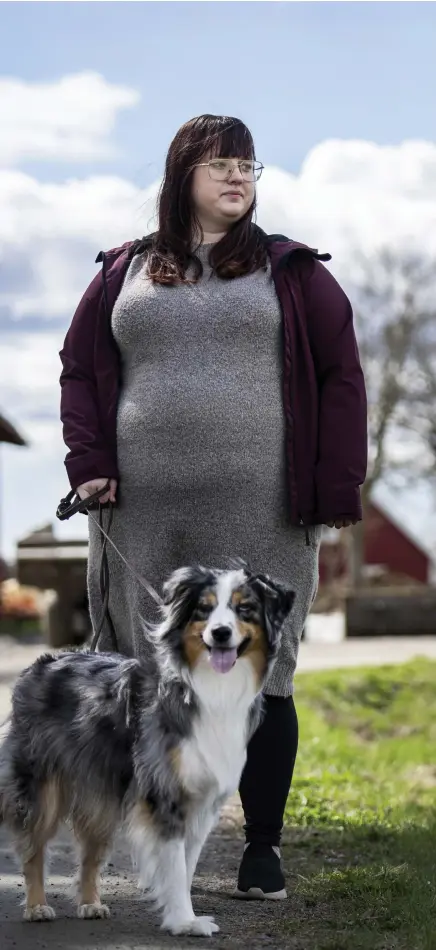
<point x="98" y="741"/>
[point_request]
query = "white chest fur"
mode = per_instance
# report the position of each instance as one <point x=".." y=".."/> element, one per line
<point x="213" y="757"/>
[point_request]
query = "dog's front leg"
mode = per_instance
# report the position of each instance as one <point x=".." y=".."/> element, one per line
<point x="199" y="826"/>
<point x="162" y="870"/>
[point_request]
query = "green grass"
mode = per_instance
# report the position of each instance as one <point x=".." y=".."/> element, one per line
<point x="12" y="627"/>
<point x="360" y="845"/>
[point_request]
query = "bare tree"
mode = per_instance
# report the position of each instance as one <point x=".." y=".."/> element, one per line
<point x="423" y="397"/>
<point x="396" y="329"/>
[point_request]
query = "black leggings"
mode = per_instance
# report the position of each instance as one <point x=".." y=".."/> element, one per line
<point x="267" y="776"/>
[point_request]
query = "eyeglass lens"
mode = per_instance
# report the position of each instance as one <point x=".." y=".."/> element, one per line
<point x="221" y="168"/>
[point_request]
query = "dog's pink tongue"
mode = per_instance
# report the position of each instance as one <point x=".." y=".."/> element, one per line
<point x="223" y="660"/>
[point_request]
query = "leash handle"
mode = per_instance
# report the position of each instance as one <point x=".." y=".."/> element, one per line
<point x="68" y="507"/>
<point x="72" y="503"/>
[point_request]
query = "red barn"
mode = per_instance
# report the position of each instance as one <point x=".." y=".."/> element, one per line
<point x="389" y="546"/>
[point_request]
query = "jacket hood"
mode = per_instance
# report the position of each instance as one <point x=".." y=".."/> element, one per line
<point x="127" y="249"/>
<point x="280" y="249"/>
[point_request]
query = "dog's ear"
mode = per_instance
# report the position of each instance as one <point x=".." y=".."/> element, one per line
<point x="181" y="592"/>
<point x="180" y="581"/>
<point x="277" y="601"/>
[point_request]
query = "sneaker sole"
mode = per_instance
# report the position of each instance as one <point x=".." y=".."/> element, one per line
<point x="257" y="894"/>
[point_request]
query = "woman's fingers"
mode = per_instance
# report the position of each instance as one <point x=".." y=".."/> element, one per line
<point x="89" y="488"/>
<point x="340" y="523"/>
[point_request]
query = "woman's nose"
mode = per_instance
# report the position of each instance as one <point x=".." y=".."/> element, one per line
<point x="235" y="174"/>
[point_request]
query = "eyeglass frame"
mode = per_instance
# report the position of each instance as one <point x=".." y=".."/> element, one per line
<point x="231" y="170"/>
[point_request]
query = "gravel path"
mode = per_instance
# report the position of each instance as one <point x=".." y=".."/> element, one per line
<point x="133" y="926"/>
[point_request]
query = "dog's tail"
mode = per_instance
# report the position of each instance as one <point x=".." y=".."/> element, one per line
<point x="3" y="764"/>
<point x="5" y="722"/>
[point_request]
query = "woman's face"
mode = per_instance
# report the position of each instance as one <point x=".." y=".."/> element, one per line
<point x="221" y="193"/>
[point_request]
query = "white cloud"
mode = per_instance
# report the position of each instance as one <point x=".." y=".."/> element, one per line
<point x="348" y="196"/>
<point x="356" y="195"/>
<point x="67" y="120"/>
<point x="30" y="363"/>
<point x="338" y="202"/>
<point x="58" y="229"/>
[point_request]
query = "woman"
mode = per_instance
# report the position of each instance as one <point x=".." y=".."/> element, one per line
<point x="211" y="373"/>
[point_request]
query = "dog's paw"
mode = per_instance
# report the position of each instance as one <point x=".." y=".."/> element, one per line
<point x="93" y="912"/>
<point x="204" y="927"/>
<point x="39" y="912"/>
<point x="196" y="927"/>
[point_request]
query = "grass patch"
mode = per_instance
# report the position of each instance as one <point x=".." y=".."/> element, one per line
<point x="13" y="627"/>
<point x="361" y="840"/>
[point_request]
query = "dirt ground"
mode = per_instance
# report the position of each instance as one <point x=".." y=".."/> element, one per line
<point x="133" y="925"/>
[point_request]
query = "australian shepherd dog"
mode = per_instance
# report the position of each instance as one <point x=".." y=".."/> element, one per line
<point x="100" y="741"/>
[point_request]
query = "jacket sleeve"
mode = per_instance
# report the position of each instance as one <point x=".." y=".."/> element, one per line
<point x="88" y="456"/>
<point x="343" y="430"/>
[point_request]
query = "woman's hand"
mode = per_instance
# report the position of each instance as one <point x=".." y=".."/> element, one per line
<point x="340" y="523"/>
<point x="88" y="488"/>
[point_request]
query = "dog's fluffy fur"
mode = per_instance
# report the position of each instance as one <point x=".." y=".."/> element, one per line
<point x="99" y="741"/>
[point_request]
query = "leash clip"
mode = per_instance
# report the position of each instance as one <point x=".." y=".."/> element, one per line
<point x="72" y="503"/>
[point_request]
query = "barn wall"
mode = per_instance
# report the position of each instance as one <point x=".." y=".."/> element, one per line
<point x="385" y="544"/>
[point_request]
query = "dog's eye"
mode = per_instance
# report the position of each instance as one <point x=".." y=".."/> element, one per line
<point x="247" y="611"/>
<point x="202" y="611"/>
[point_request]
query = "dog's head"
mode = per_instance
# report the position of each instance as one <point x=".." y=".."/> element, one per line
<point x="218" y="617"/>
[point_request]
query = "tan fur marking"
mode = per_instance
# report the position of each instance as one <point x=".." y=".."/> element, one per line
<point x="33" y="871"/>
<point x="237" y="597"/>
<point x="209" y="598"/>
<point x="176" y="759"/>
<point x="257" y="650"/>
<point x="92" y="857"/>
<point x="49" y="808"/>
<point x="141" y="813"/>
<point x="193" y="644"/>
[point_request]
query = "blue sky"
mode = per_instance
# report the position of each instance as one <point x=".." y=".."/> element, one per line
<point x="297" y="73"/>
<point x="340" y="98"/>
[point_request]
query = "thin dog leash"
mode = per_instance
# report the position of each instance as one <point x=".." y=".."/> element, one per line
<point x="68" y="507"/>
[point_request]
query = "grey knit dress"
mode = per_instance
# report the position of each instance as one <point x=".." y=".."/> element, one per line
<point x="201" y="449"/>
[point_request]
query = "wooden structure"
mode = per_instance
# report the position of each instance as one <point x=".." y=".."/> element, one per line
<point x="8" y="434"/>
<point x="389" y="549"/>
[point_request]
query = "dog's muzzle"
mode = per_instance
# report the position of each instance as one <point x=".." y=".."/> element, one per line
<point x="222" y="656"/>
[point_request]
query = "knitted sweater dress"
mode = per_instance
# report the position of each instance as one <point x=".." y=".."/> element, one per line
<point x="201" y="450"/>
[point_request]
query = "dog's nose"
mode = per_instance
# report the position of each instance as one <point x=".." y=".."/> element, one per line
<point x="221" y="635"/>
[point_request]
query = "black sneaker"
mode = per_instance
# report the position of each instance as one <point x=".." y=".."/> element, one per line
<point x="260" y="874"/>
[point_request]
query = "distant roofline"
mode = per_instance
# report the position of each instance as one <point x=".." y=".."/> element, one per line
<point x="9" y="434"/>
<point x="413" y="537"/>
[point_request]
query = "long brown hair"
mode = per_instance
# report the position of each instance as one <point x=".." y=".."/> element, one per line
<point x="242" y="250"/>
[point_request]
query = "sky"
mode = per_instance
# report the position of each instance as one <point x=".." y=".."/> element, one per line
<point x="340" y="99"/>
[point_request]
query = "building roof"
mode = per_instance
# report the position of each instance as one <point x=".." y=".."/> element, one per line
<point x="9" y="434"/>
<point x="410" y="512"/>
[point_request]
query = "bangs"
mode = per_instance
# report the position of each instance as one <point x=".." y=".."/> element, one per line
<point x="223" y="137"/>
<point x="235" y="141"/>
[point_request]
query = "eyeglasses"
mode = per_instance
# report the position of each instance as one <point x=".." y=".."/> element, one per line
<point x="220" y="169"/>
